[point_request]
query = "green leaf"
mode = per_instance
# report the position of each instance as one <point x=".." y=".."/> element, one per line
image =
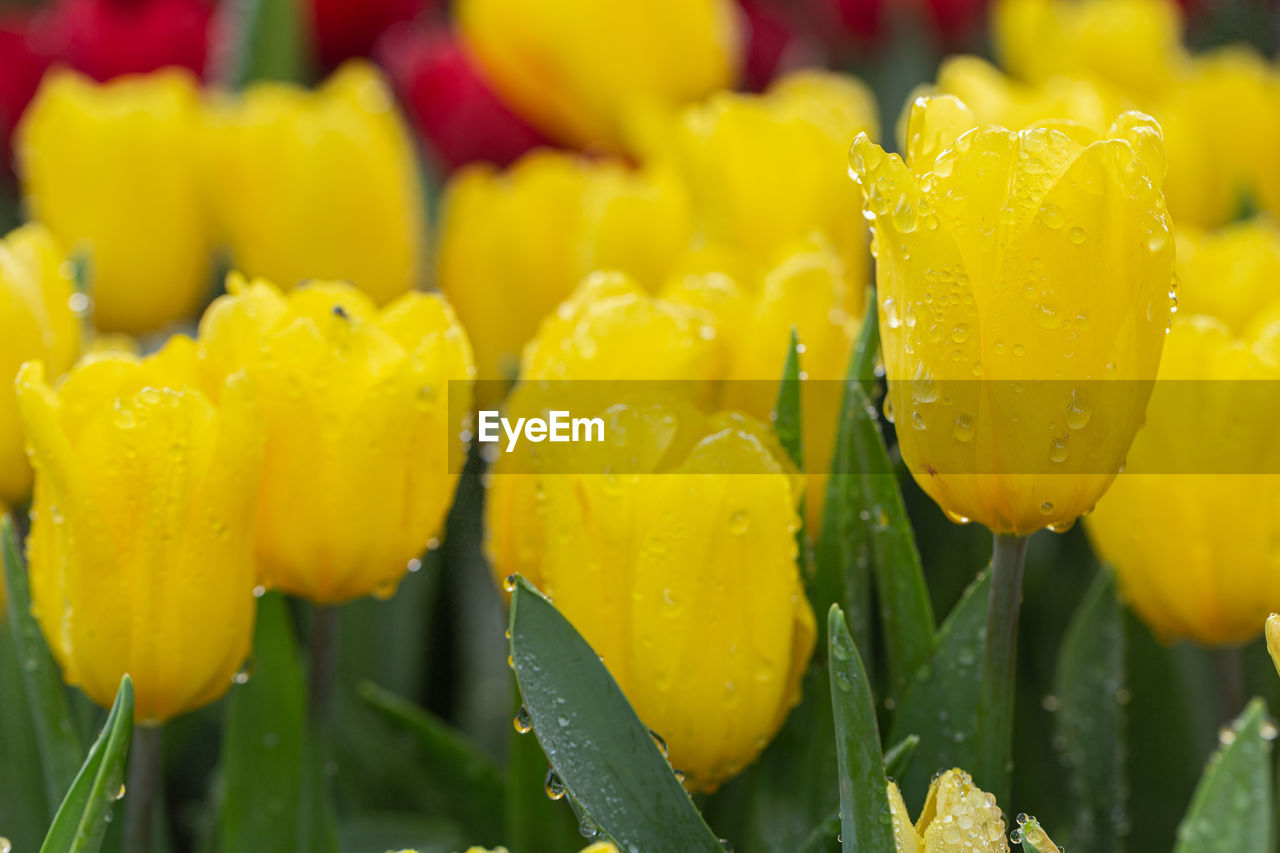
<point x="603" y="754"/>
<point x="56" y="734"/>
<point x="24" y="808"/>
<point x="898" y="758"/>
<point x="940" y="703"/>
<point x="787" y="412"/>
<point x="865" y="821"/>
<point x="380" y="832"/>
<point x="865" y="523"/>
<point x="1231" y="809"/>
<point x="267" y="40"/>
<point x="81" y="820"/>
<point x="532" y="822"/>
<point x="862" y="366"/>
<point x="1088" y="684"/>
<point x="263" y="742"/>
<point x="475" y="786"/>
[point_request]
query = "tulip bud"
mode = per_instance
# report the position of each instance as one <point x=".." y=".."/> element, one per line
<point x="320" y="184"/>
<point x="1192" y="525"/>
<point x="449" y="100"/>
<point x="39" y="324"/>
<point x="110" y="38"/>
<point x="614" y="551"/>
<point x="957" y="815"/>
<point x="362" y="409"/>
<point x="1018" y="274"/>
<point x="576" y="69"/>
<point x="1273" y="639"/>
<point x="525" y="238"/>
<point x="766" y="171"/>
<point x="345" y="29"/>
<point x="141" y="545"/>
<point x="113" y="170"/>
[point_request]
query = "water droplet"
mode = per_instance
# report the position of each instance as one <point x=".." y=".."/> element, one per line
<point x="1078" y="410"/>
<point x="1052" y="217"/>
<point x="413" y="565"/>
<point x="553" y="785"/>
<point x="523" y="723"/>
<point x="1046" y="508"/>
<point x="1076" y="235"/>
<point x="659" y="742"/>
<point x="960" y="333"/>
<point x="259" y="591"/>
<point x="245" y="672"/>
<point x="1059" y="449"/>
<point x="79" y="303"/>
<point x="509" y="583"/>
<point x="963" y="430"/>
<point x="1046" y="315"/>
<point x="891" y="318"/>
<point x="120" y="793"/>
<point x="739" y="522"/>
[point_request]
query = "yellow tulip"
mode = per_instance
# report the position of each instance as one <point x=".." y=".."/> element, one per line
<point x="575" y="68"/>
<point x="38" y="323"/>
<point x="1273" y="639"/>
<point x="114" y="171"/>
<point x="958" y="817"/>
<point x="1038" y="265"/>
<point x="1135" y="44"/>
<point x="515" y="244"/>
<point x="363" y="410"/>
<point x="766" y="171"/>
<point x="1192" y="525"/>
<point x="141" y="545"/>
<point x="320" y="184"/>
<point x="614" y="551"/>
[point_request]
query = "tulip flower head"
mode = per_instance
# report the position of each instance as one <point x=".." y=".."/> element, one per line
<point x="958" y="817"/>
<point x="114" y="171"/>
<point x="39" y="324"/>
<point x="141" y="544"/>
<point x="362" y="411"/>
<point x="1192" y="525"/>
<point x="320" y="184"/>
<point x="1019" y="273"/>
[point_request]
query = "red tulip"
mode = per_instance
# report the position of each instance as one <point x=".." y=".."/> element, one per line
<point x="107" y="38"/>
<point x="450" y="102"/>
<point x="773" y="38"/>
<point x="347" y="28"/>
<point x="24" y="62"/>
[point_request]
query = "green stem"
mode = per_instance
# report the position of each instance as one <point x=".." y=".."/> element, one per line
<point x="323" y="670"/>
<point x="317" y="825"/>
<point x="994" y="766"/>
<point x="1228" y="671"/>
<point x="141" y="789"/>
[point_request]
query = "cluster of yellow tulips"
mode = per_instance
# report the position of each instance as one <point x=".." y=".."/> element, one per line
<point x="1075" y="268"/>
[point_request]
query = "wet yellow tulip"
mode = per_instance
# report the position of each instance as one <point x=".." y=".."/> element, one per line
<point x="363" y="411"/>
<point x="1192" y="527"/>
<point x="615" y="550"/>
<point x="141" y="545"/>
<point x="114" y="171"/>
<point x="515" y="244"/>
<point x="1135" y="44"/>
<point x="1038" y="263"/>
<point x="766" y="171"/>
<point x="576" y="68"/>
<point x="958" y="817"/>
<point x="320" y="184"/>
<point x="39" y="323"/>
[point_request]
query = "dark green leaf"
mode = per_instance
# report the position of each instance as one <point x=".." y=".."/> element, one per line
<point x="24" y="808"/>
<point x="533" y="822"/>
<point x="865" y="822"/>
<point x="263" y="742"/>
<point x="56" y="733"/>
<point x="82" y="818"/>
<point x="787" y="412"/>
<point x="940" y="704"/>
<point x="825" y="838"/>
<point x="1231" y="809"/>
<point x="862" y="366"/>
<point x="597" y="745"/>
<point x="1088" y="686"/>
<point x="898" y="758"/>
<point x="378" y="833"/>
<point x="265" y="40"/>
<point x="475" y="786"/>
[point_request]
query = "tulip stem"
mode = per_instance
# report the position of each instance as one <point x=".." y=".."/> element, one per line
<point x="994" y="763"/>
<point x="323" y="654"/>
<point x="141" y="789"/>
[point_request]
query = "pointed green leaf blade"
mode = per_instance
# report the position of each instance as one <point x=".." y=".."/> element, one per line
<point x="81" y="820"/>
<point x="865" y="822"/>
<point x="787" y="412"/>
<point x="56" y="734"/>
<point x="898" y="757"/>
<point x="262" y="743"/>
<point x="267" y="40"/>
<point x="597" y="745"/>
<point x="1088" y="684"/>
<point x="1231" y="809"/>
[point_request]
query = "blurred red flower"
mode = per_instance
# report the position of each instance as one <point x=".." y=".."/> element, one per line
<point x="24" y="64"/>
<point x="449" y="100"/>
<point x="107" y="38"/>
<point x="347" y="28"/>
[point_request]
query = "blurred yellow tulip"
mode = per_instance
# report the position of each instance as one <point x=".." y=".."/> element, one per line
<point x="957" y="816"/>
<point x="576" y="68"/>
<point x="766" y="171"/>
<point x="39" y="324"/>
<point x="1038" y="266"/>
<point x="1135" y="44"/>
<point x="1193" y="525"/>
<point x="363" y="410"/>
<point x="114" y="171"/>
<point x="141" y="545"/>
<point x="615" y="550"/>
<point x="515" y="244"/>
<point x="320" y="184"/>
